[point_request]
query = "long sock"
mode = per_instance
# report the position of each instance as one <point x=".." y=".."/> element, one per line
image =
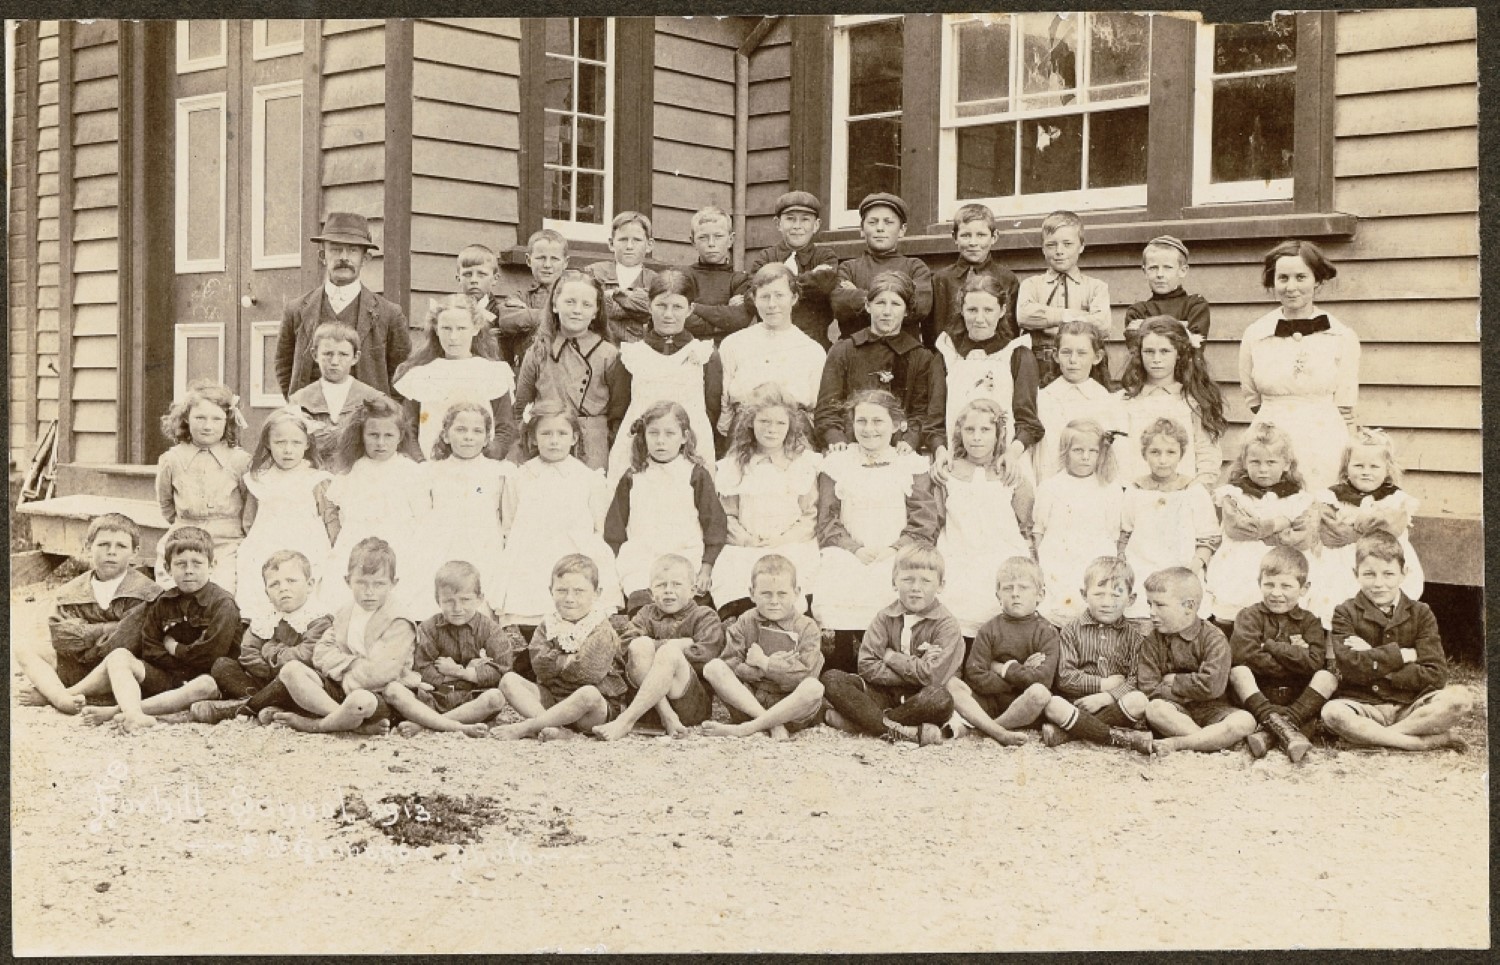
<point x="845" y="695"/>
<point x="1086" y="726"/>
<point x="1306" y="707"/>
<point x="1259" y="705"/>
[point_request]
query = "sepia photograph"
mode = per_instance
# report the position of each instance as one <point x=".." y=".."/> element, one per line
<point x="999" y="481"/>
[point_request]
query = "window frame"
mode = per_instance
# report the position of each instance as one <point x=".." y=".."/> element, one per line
<point x="1169" y="206"/>
<point x="1018" y="204"/>
<point x="183" y="333"/>
<point x="582" y="230"/>
<point x="1205" y="192"/>
<point x="261" y="50"/>
<point x="259" y="360"/>
<point x="839" y="216"/>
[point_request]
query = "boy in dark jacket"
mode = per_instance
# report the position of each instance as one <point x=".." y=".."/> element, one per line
<point x="715" y="312"/>
<point x="167" y="648"/>
<point x="1007" y="678"/>
<point x="798" y="216"/>
<point x="1393" y="689"/>
<point x="1282" y="648"/>
<point x="89" y="609"/>
<point x="882" y="224"/>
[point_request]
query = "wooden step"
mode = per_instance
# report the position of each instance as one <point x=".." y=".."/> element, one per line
<point x="123" y="480"/>
<point x="58" y="525"/>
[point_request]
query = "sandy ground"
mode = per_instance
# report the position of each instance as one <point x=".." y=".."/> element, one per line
<point x="190" y="839"/>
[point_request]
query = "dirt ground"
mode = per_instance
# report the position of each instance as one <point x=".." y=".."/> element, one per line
<point x="241" y="839"/>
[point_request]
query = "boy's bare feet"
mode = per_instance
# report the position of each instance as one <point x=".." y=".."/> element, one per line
<point x="780" y="733"/>
<point x="408" y="728"/>
<point x="716" y="728"/>
<point x="99" y="715"/>
<point x="374" y="728"/>
<point x="613" y="730"/>
<point x="557" y="734"/>
<point x="510" y="732"/>
<point x="267" y="716"/>
<point x="308" y="725"/>
<point x="135" y="723"/>
<point x="1161" y="748"/>
<point x="475" y="730"/>
<point x="66" y="702"/>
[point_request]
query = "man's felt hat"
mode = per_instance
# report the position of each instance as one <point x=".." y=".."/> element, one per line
<point x="346" y="228"/>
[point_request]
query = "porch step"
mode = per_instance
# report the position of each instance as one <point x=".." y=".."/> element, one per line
<point x="122" y="480"/>
<point x="59" y="525"/>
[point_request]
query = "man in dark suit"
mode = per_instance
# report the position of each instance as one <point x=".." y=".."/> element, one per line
<point x="343" y="248"/>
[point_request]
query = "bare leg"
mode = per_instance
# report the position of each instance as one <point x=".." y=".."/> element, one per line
<point x="1426" y="729"/>
<point x="350" y="715"/>
<point x="968" y="708"/>
<point x="668" y="675"/>
<point x="794" y="706"/>
<point x="306" y="688"/>
<point x="582" y="710"/>
<point x="1184" y="735"/>
<point x="125" y="673"/>
<point x="718" y="675"/>
<point x="480" y="709"/>
<point x="407" y="705"/>
<point x="1026" y="709"/>
<point x="1242" y="682"/>
<point x="45" y="688"/>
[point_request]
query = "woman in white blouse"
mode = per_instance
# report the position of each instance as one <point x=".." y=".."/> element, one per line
<point x="772" y="351"/>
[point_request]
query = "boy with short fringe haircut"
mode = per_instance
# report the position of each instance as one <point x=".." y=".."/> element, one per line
<point x="1096" y="697"/>
<point x="1279" y="652"/>
<point x="768" y="674"/>
<point x="974" y="232"/>
<point x="882" y="225"/>
<point x="1184" y="670"/>
<point x="667" y="644"/>
<point x="336" y="394"/>
<point x="462" y="652"/>
<point x="1008" y="675"/>
<point x="1060" y="294"/>
<point x="86" y="613"/>
<point x="1393" y="689"/>
<point x="715" y="313"/>
<point x="167" y="648"/>
<point x="910" y="652"/>
<point x="626" y="279"/>
<point x="1165" y="264"/>
<point x="798" y="218"/>
<point x="518" y="314"/>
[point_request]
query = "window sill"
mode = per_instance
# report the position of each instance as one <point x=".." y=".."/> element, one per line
<point x="1202" y="224"/>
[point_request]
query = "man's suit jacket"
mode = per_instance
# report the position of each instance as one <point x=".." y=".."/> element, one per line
<point x="384" y="341"/>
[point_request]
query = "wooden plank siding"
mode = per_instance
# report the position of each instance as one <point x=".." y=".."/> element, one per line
<point x="770" y="134"/>
<point x="21" y="247"/>
<point x="465" y="160"/>
<point x="48" y="253"/>
<point x="353" y="100"/>
<point x="93" y="356"/>
<point x="692" y="127"/>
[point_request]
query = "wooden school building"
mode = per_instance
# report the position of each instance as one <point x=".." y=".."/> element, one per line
<point x="166" y="176"/>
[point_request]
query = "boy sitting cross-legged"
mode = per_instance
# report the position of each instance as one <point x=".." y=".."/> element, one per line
<point x="462" y="652"/>
<point x="1184" y="669"/>
<point x="89" y="608"/>
<point x="908" y="655"/>
<point x="1282" y="648"/>
<point x="575" y="654"/>
<point x="1394" y="689"/>
<point x="667" y="643"/>
<point x="1007" y="677"/>
<point x="768" y="675"/>
<point x="1097" y="699"/>
<point x="288" y="632"/>
<point x="162" y="652"/>
<point x="361" y="657"/>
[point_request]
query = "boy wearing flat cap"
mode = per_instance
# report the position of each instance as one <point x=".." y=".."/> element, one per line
<point x="343" y="247"/>
<point x="816" y="267"/>
<point x="882" y="223"/>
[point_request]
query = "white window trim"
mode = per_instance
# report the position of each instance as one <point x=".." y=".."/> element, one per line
<point x="258" y="398"/>
<point x="1088" y="199"/>
<point x="260" y="50"/>
<point x="838" y="187"/>
<point x="583" y="231"/>
<point x="186" y="106"/>
<point x="258" y="257"/>
<point x="185" y="333"/>
<point x="187" y="65"/>
<point x="1229" y="192"/>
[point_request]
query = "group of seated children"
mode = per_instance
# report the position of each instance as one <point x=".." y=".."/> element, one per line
<point x="678" y="444"/>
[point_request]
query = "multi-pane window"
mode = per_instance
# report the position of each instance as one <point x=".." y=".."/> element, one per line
<point x="1245" y="116"/>
<point x="866" y="155"/>
<point x="578" y="140"/>
<point x="1042" y="110"/>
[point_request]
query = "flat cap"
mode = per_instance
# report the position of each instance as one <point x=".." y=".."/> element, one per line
<point x="799" y="201"/>
<point x="889" y="200"/>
